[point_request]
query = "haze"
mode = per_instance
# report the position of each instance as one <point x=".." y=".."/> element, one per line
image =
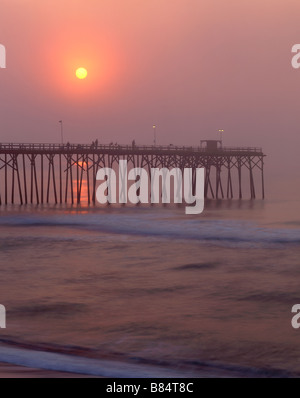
<point x="189" y="67"/>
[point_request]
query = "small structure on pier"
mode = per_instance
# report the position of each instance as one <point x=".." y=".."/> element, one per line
<point x="211" y="145"/>
<point x="66" y="173"/>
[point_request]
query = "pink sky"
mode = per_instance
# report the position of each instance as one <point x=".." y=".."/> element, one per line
<point x="190" y="67"/>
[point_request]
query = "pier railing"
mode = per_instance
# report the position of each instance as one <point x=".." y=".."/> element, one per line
<point x="116" y="147"/>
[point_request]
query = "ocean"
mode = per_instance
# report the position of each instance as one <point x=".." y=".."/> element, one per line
<point x="148" y="291"/>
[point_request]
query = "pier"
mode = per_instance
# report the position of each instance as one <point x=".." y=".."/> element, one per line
<point x="66" y="173"/>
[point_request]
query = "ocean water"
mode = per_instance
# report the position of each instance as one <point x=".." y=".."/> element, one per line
<point x="148" y="291"/>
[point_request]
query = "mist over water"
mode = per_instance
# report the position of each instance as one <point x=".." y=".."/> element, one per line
<point x="151" y="284"/>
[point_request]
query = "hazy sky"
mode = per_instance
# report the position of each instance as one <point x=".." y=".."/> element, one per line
<point x="189" y="66"/>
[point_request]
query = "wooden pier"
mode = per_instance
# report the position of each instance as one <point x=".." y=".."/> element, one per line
<point x="66" y="173"/>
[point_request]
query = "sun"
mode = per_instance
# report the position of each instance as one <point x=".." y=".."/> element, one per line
<point x="81" y="73"/>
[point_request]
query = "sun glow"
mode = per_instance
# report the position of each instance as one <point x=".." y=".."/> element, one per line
<point x="81" y="73"/>
<point x="81" y="69"/>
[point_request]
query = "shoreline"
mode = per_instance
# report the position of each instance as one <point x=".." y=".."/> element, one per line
<point x="11" y="371"/>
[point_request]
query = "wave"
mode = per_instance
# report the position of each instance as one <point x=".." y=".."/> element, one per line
<point x="81" y="365"/>
<point x="221" y="232"/>
<point x="67" y="360"/>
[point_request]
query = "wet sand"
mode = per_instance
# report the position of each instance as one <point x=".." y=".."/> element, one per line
<point x="8" y="371"/>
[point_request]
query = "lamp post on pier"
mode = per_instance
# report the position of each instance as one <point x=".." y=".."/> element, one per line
<point x="154" y="135"/>
<point x="221" y="136"/>
<point x="61" y="131"/>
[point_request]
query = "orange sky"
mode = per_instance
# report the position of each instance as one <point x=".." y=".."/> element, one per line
<point x="190" y="67"/>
